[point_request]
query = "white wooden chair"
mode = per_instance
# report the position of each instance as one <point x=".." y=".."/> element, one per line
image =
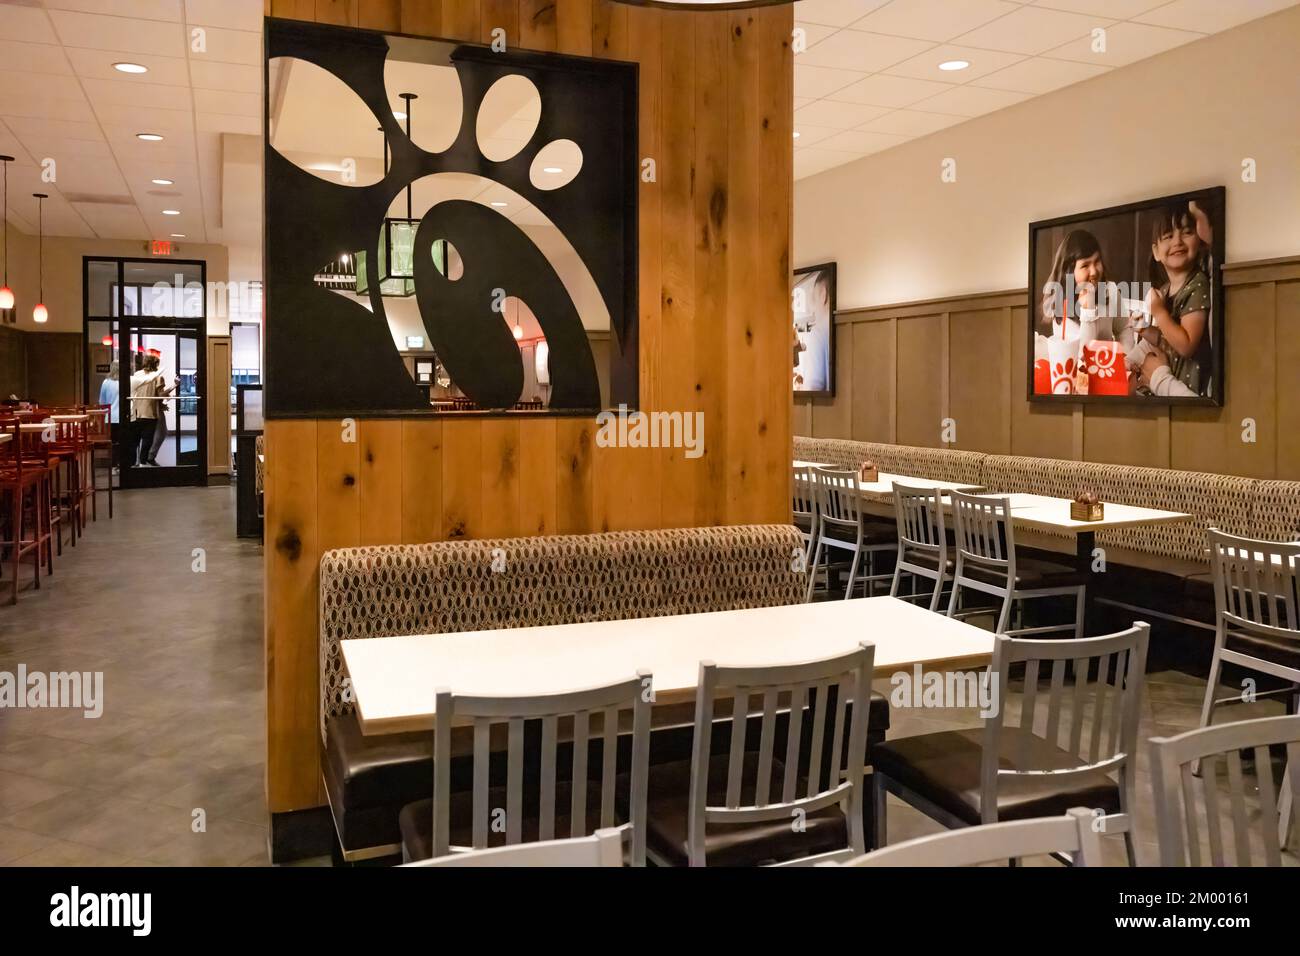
<point x="566" y="718"/>
<point x="987" y="562"/>
<point x="1061" y="752"/>
<point x="922" y="541"/>
<point x="804" y="508"/>
<point x="1179" y="815"/>
<point x="602" y="848"/>
<point x="843" y="524"/>
<point x="1073" y="835"/>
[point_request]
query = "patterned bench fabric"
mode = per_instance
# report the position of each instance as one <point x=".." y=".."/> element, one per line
<point x="259" y="463"/>
<point x="1057" y="477"/>
<point x="1275" y="514"/>
<point x="944" y="463"/>
<point x="450" y="586"/>
<point x="1219" y="501"/>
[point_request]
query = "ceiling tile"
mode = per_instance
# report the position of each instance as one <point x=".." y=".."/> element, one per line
<point x="143" y="9"/>
<point x="835" y="13"/>
<point x="98" y="64"/>
<point x="27" y="24"/>
<point x="937" y="20"/>
<point x="802" y="101"/>
<point x="1125" y="43"/>
<point x="911" y="123"/>
<point x="810" y="135"/>
<point x="817" y="81"/>
<point x="1109" y="9"/>
<point x="222" y="101"/>
<point x="232" y="14"/>
<point x="120" y="34"/>
<point x="1032" y="30"/>
<point x="19" y="86"/>
<point x="107" y="93"/>
<point x="211" y="75"/>
<point x="47" y="128"/>
<point x="1210" y="16"/>
<point x="111" y="221"/>
<point x="837" y="115"/>
<point x="1039" y="75"/>
<point x="892" y="91"/>
<point x="810" y="162"/>
<point x="856" y="50"/>
<point x="229" y="123"/>
<point x="970" y="101"/>
<point x="860" y="142"/>
<point x="89" y="174"/>
<point x="171" y="124"/>
<point x="232" y="46"/>
<point x="926" y="66"/>
<point x="33" y="57"/>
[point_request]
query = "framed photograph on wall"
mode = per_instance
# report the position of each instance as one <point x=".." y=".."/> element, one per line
<point x="1126" y="303"/>
<point x="812" y="337"/>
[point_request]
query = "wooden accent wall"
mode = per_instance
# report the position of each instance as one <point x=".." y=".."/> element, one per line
<point x="716" y="115"/>
<point x="218" y="399"/>
<point x="900" y="370"/>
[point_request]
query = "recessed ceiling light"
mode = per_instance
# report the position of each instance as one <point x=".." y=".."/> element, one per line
<point x="499" y="204"/>
<point x="149" y="137"/>
<point x="171" y="212"/>
<point x="796" y="134"/>
<point x="552" y="169"/>
<point x="178" y="235"/>
<point x="163" y="182"/>
<point x="949" y="66"/>
<point x="398" y="114"/>
<point x="130" y="68"/>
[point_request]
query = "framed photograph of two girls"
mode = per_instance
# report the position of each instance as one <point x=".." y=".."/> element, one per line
<point x="1126" y="304"/>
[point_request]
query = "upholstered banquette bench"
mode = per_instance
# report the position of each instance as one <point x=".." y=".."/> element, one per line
<point x="1164" y="568"/>
<point x="479" y="585"/>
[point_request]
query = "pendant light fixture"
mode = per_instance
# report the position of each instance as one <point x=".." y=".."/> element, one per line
<point x="396" y="239"/>
<point x="6" y="293"/>
<point x="40" y="314"/>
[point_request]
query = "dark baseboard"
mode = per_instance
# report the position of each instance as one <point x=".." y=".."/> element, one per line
<point x="301" y="834"/>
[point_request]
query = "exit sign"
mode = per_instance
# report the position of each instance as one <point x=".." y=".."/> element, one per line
<point x="160" y="247"/>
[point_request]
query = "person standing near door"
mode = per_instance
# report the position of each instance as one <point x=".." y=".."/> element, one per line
<point x="160" y="427"/>
<point x="146" y="391"/>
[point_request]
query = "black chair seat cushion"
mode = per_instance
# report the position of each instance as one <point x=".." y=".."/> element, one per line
<point x="415" y="821"/>
<point x="1275" y="650"/>
<point x="1031" y="573"/>
<point x="944" y="768"/>
<point x="927" y="560"/>
<point x="873" y="533"/>
<point x="752" y="844"/>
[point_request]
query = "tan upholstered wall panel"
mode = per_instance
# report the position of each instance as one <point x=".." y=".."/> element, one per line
<point x="873" y="381"/>
<point x="715" y="113"/>
<point x="979" y="364"/>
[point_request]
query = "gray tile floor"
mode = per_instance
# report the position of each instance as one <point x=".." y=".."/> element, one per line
<point x="183" y="722"/>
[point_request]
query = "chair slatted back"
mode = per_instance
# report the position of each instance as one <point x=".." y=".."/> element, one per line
<point x="983" y="530"/>
<point x="804" y="501"/>
<point x="1093" y="716"/>
<point x="1188" y="809"/>
<point x="817" y="696"/>
<point x="1256" y="584"/>
<point x="1072" y="834"/>
<point x="839" y="499"/>
<point x="590" y="719"/>
<point x="919" y="513"/>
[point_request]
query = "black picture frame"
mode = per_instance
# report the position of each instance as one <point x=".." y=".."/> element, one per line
<point x="1214" y="200"/>
<point x="829" y="391"/>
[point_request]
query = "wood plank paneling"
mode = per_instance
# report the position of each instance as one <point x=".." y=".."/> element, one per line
<point x="1286" y="371"/>
<point x="872" y="377"/>
<point x="379" y="467"/>
<point x="499" y="451"/>
<point x="920" y="375"/>
<point x="421" y="481"/>
<point x="715" y="114"/>
<point x="979" y="365"/>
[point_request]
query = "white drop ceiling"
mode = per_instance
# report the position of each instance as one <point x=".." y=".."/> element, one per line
<point x="870" y="78"/>
<point x="61" y="98"/>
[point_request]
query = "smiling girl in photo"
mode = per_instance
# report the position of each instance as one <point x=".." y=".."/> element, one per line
<point x="1180" y="297"/>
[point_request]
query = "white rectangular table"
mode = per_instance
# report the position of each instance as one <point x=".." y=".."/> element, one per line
<point x="394" y="679"/>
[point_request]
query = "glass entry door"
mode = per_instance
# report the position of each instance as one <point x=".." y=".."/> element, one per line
<point x="165" y="442"/>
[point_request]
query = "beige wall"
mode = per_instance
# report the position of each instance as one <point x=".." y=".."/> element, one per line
<point x="1177" y="121"/>
<point x="63" y="275"/>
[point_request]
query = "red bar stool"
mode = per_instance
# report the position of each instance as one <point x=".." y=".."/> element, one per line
<point x="24" y="480"/>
